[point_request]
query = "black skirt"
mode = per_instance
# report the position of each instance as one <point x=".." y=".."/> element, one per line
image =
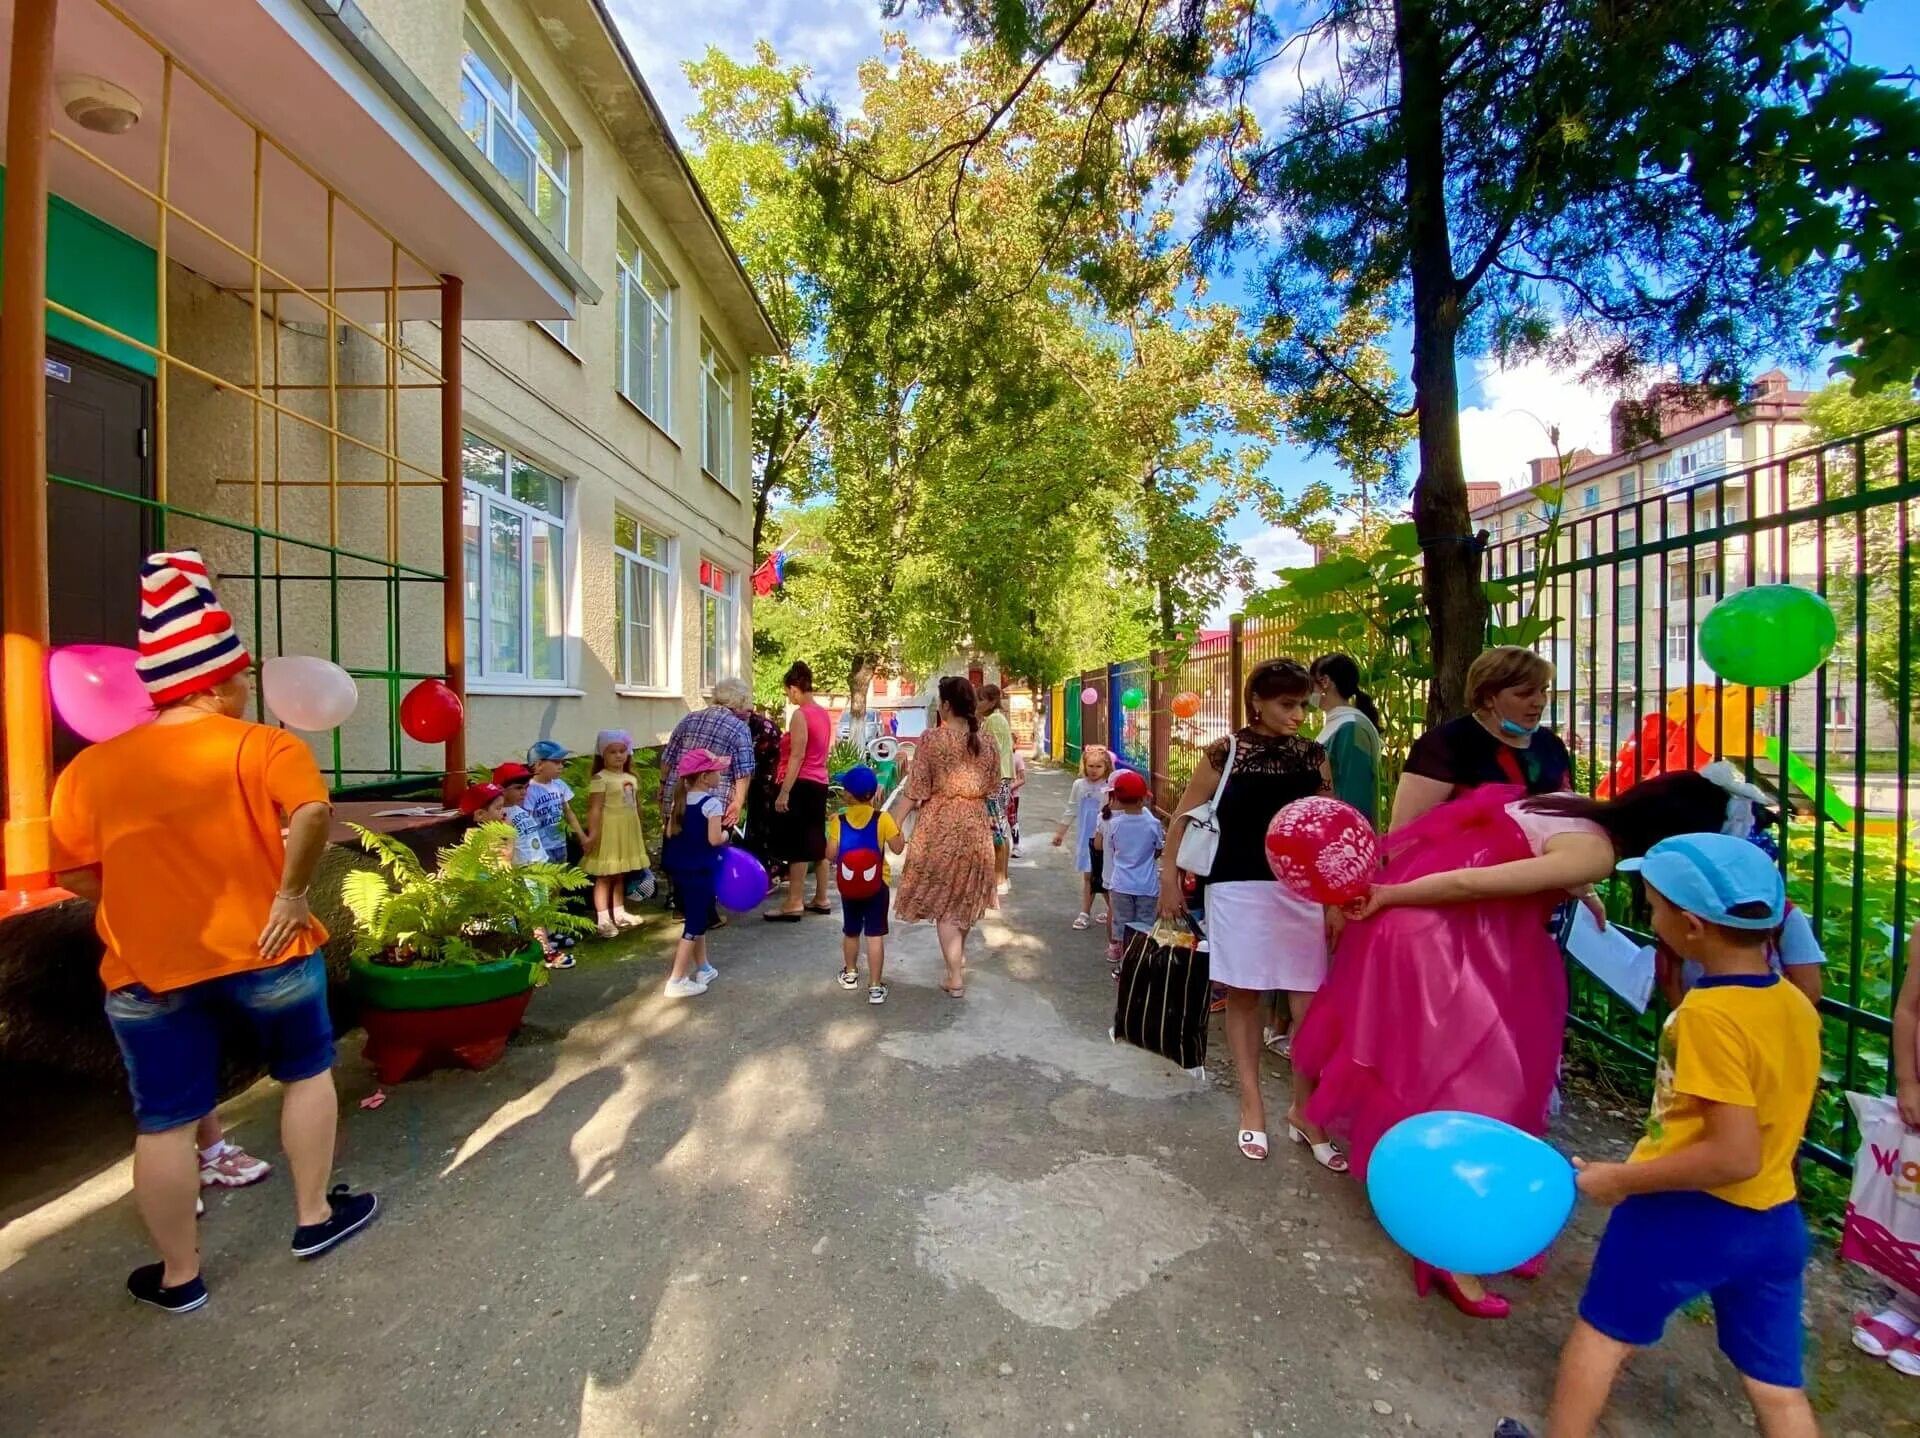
<point x="803" y="828"/>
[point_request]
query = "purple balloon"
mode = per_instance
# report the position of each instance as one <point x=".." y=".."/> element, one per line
<point x="1089" y="695"/>
<point x="742" y="884"/>
<point x="97" y="691"/>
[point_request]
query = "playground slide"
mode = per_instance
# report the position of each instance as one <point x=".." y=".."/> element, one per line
<point x="1659" y="736"/>
<point x="1801" y="774"/>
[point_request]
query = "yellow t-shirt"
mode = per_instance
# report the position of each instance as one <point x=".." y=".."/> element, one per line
<point x="1743" y="1040"/>
<point x="857" y="816"/>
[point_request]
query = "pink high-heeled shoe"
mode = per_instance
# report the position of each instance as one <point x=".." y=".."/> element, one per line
<point x="1426" y="1278"/>
<point x="1533" y="1267"/>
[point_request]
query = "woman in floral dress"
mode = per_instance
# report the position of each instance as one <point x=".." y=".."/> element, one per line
<point x="949" y="875"/>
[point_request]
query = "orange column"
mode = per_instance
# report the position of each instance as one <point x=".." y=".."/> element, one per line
<point x="23" y="447"/>
<point x="452" y="556"/>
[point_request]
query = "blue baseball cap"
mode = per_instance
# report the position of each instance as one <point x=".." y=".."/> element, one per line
<point x="546" y="749"/>
<point x="859" y="781"/>
<point x="1707" y="875"/>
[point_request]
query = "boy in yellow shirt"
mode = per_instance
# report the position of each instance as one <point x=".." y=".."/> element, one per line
<point x="1707" y="1202"/>
<point x="856" y="841"/>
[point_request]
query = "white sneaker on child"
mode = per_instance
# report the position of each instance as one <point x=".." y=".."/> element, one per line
<point x="706" y="973"/>
<point x="686" y="988"/>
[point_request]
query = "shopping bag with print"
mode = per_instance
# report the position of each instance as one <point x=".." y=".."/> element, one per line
<point x="1882" y="1232"/>
<point x="1163" y="996"/>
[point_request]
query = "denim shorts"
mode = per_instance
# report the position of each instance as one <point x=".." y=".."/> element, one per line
<point x="171" y="1041"/>
<point x="865" y="917"/>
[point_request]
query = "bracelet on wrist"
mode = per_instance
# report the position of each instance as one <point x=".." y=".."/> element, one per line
<point x="283" y="894"/>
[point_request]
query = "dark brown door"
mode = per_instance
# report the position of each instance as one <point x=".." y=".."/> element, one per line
<point x="97" y="436"/>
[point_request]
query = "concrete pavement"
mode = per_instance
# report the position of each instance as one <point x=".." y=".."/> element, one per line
<point x="777" y="1209"/>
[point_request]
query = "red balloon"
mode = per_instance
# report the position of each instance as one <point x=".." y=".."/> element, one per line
<point x="1323" y="850"/>
<point x="431" y="712"/>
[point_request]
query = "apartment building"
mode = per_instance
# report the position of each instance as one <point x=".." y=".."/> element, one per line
<point x="608" y="507"/>
<point x="1629" y="613"/>
<point x="413" y="320"/>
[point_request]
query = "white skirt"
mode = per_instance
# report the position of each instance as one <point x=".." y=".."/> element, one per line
<point x="1264" y="936"/>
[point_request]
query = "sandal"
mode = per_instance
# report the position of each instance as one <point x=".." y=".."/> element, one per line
<point x="1279" y="1044"/>
<point x="1253" y="1143"/>
<point x="817" y="908"/>
<point x="1324" y="1153"/>
<point x="1082" y="920"/>
<point x="781" y="916"/>
<point x="560" y="959"/>
<point x="1906" y="1358"/>
<point x="1874" y="1335"/>
<point x="606" y="930"/>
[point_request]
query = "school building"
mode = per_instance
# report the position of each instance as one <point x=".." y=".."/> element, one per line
<point x="410" y="315"/>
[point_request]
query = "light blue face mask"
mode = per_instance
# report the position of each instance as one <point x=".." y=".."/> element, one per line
<point x="1518" y="731"/>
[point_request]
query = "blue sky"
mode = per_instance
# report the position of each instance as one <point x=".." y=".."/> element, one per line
<point x="1503" y="413"/>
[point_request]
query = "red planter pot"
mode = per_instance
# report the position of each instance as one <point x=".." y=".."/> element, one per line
<point x="418" y="1018"/>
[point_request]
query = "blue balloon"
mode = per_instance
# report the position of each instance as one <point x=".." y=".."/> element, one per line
<point x="1469" y="1193"/>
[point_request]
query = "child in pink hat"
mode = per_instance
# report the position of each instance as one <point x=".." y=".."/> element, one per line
<point x="696" y="835"/>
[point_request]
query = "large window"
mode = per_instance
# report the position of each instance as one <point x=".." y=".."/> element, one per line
<point x="719" y="623"/>
<point x="642" y="605"/>
<point x="716" y="414"/>
<point x="1695" y="461"/>
<point x="514" y="526"/>
<point x="1679" y="644"/>
<point x="500" y="117"/>
<point x="643" y="324"/>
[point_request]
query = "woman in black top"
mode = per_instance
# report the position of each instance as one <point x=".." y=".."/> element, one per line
<point x="1500" y="742"/>
<point x="1261" y="935"/>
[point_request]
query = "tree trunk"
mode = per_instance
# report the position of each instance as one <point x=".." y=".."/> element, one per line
<point x="1456" y="605"/>
<point x="859" y="676"/>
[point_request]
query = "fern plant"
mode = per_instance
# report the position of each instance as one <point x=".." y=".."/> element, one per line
<point x="475" y="907"/>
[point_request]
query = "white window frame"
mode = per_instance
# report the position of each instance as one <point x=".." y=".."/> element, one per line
<point x="718" y="659"/>
<point x="716" y="375"/>
<point x="642" y="283"/>
<point x="627" y="565"/>
<point x="1679" y="643"/>
<point x="1591" y="498"/>
<point x="507" y="118"/>
<point x="1839" y="713"/>
<point x="479" y="662"/>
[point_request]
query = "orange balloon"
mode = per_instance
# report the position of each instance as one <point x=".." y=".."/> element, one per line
<point x="1186" y="704"/>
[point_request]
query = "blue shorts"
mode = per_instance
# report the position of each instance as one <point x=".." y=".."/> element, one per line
<point x="1663" y="1250"/>
<point x="865" y="916"/>
<point x="171" y="1042"/>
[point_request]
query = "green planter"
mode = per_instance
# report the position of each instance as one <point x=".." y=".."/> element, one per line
<point x="443" y="986"/>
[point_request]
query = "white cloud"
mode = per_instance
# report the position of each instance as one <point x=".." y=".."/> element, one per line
<point x="1270" y="550"/>
<point x="1507" y="426"/>
<point x="831" y="37"/>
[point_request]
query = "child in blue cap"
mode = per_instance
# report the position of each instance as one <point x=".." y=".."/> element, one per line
<point x="857" y="841"/>
<point x="1707" y="1203"/>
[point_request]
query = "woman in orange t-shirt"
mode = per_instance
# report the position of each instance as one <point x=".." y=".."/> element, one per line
<point x="173" y="829"/>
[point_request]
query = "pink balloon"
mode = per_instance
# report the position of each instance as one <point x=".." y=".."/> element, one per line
<point x="1323" y="850"/>
<point x="1089" y="695"/>
<point x="96" y="690"/>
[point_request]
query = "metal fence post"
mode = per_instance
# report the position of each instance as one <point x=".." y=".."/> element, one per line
<point x="1160" y="729"/>
<point x="1236" y="669"/>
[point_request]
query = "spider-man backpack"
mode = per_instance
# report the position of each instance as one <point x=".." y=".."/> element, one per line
<point x="858" y="874"/>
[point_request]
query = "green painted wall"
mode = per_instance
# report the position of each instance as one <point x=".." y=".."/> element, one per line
<point x="102" y="272"/>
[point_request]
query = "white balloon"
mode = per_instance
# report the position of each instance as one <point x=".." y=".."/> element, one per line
<point x="308" y="693"/>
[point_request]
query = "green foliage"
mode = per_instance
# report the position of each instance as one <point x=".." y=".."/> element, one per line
<point x="1852" y="466"/>
<point x="474" y="907"/>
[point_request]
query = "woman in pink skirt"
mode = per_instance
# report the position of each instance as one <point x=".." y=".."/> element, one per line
<point x="1450" y="992"/>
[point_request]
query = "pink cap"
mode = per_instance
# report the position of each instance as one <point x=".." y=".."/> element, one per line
<point x="699" y="761"/>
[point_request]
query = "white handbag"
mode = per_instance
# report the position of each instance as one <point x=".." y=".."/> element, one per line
<point x="1201" y="841"/>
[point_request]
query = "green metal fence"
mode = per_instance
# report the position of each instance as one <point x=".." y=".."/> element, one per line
<point x="348" y="606"/>
<point x="1624" y="584"/>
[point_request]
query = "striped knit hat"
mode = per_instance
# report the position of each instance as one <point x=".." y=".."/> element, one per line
<point x="187" y="643"/>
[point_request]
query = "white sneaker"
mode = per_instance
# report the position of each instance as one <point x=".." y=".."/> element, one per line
<point x="1003" y="888"/>
<point x="623" y="920"/>
<point x="686" y="988"/>
<point x="706" y="973"/>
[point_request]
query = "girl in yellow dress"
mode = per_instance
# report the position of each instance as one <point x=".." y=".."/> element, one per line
<point x="614" y="845"/>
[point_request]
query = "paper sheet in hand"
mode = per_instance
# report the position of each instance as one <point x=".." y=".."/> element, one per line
<point x="1611" y="957"/>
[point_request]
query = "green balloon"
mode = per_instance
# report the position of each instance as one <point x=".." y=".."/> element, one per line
<point x="1768" y="636"/>
<point x="1132" y="699"/>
